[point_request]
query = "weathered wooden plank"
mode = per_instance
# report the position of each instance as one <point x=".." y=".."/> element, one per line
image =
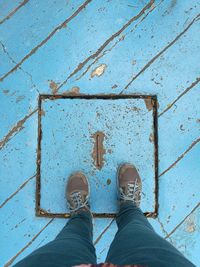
<point x="33" y="26"/>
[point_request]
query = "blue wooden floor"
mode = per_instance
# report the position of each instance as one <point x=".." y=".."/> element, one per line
<point x="99" y="47"/>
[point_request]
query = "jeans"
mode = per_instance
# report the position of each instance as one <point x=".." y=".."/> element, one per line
<point x="135" y="243"/>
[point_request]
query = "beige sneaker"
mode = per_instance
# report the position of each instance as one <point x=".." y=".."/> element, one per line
<point x="129" y="183"/>
<point x="77" y="192"/>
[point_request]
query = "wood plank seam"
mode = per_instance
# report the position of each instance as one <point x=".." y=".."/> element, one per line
<point x="13" y="61"/>
<point x="14" y="11"/>
<point x="108" y="41"/>
<point x="28" y="244"/>
<point x="103" y="232"/>
<point x="191" y="86"/>
<point x="17" y="191"/>
<point x="179" y="224"/>
<point x="15" y="129"/>
<point x="195" y="142"/>
<point x="105" y="52"/>
<point x="44" y="41"/>
<point x="146" y="66"/>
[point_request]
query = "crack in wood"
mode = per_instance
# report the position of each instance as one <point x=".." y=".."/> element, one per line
<point x="23" y="3"/>
<point x="27" y="245"/>
<point x="44" y="41"/>
<point x="160" y="53"/>
<point x="181" y="95"/>
<point x="163" y="228"/>
<point x="110" y="39"/>
<point x="14" y="62"/>
<point x="103" y="232"/>
<point x="17" y="191"/>
<point x="181" y="156"/>
<point x="16" y="129"/>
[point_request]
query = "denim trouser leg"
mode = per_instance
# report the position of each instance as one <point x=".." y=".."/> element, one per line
<point x="137" y="243"/>
<point x="72" y="246"/>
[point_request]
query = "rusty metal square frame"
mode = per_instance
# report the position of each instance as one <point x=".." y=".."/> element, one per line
<point x="43" y="213"/>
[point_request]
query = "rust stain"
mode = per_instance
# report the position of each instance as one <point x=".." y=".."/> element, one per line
<point x="98" y="150"/>
<point x="148" y="103"/>
<point x="54" y="87"/>
<point x="42" y="112"/>
<point x="98" y="71"/>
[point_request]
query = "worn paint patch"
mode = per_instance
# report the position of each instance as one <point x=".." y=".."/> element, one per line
<point x="54" y="87"/>
<point x="190" y="225"/>
<point x="151" y="138"/>
<point x="98" y="71"/>
<point x="148" y="103"/>
<point x="98" y="149"/>
<point x="73" y="91"/>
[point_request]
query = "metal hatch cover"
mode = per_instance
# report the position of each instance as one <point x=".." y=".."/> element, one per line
<point x="94" y="134"/>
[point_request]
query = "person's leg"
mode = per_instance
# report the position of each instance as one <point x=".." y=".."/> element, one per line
<point x="136" y="242"/>
<point x="74" y="244"/>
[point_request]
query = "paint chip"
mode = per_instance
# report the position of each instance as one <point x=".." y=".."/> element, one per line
<point x="114" y="86"/>
<point x="54" y="87"/>
<point x="190" y="226"/>
<point x="108" y="182"/>
<point x="151" y="138"/>
<point x="5" y="91"/>
<point x="148" y="104"/>
<point x="98" y="71"/>
<point x="73" y="91"/>
<point x="19" y="98"/>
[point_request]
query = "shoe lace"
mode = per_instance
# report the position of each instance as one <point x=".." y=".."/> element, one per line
<point x="132" y="193"/>
<point x="78" y="202"/>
